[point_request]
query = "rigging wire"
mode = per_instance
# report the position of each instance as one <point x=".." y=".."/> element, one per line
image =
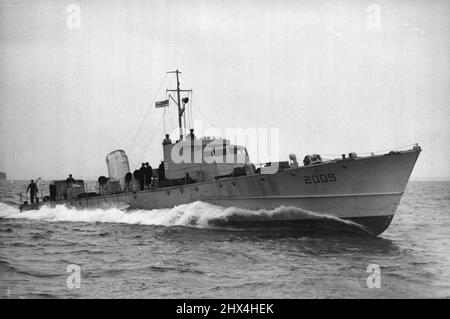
<point x="191" y="123"/>
<point x="192" y="93"/>
<point x="151" y="138"/>
<point x="187" y="111"/>
<point x="170" y="118"/>
<point x="174" y="126"/>
<point x="201" y="113"/>
<point x="146" y="115"/>
<point x="170" y="113"/>
<point x="164" y="116"/>
<point x="184" y="117"/>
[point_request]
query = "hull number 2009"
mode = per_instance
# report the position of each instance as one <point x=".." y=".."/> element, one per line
<point x="321" y="178"/>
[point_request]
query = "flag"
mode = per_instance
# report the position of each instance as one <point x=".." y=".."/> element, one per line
<point x="162" y="103"/>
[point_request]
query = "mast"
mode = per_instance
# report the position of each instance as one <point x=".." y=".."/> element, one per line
<point x="181" y="112"/>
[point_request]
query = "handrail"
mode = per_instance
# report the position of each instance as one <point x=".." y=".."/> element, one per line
<point x="379" y="152"/>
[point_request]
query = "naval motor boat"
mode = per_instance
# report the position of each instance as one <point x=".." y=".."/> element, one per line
<point x="363" y="189"/>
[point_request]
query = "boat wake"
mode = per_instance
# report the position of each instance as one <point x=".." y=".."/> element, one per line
<point x="196" y="214"/>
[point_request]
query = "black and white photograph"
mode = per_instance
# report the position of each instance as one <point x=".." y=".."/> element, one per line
<point x="234" y="151"/>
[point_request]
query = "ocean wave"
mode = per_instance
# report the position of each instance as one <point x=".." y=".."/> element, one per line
<point x="8" y="267"/>
<point x="196" y="214"/>
<point x="7" y="209"/>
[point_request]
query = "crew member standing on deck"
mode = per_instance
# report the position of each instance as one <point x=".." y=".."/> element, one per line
<point x="148" y="175"/>
<point x="167" y="140"/>
<point x="161" y="173"/>
<point x="70" y="180"/>
<point x="142" y="176"/>
<point x="32" y="187"/>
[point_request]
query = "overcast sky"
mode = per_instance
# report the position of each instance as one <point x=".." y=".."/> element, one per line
<point x="329" y="74"/>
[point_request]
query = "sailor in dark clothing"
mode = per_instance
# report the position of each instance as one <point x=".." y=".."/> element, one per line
<point x="148" y="175"/>
<point x="142" y="176"/>
<point x="161" y="172"/>
<point x="306" y="160"/>
<point x="167" y="140"/>
<point x="32" y="187"/>
<point x="70" y="179"/>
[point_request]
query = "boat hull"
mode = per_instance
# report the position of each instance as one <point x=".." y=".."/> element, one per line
<point x="365" y="190"/>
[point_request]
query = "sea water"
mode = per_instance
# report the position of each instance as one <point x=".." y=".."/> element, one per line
<point x="189" y="251"/>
